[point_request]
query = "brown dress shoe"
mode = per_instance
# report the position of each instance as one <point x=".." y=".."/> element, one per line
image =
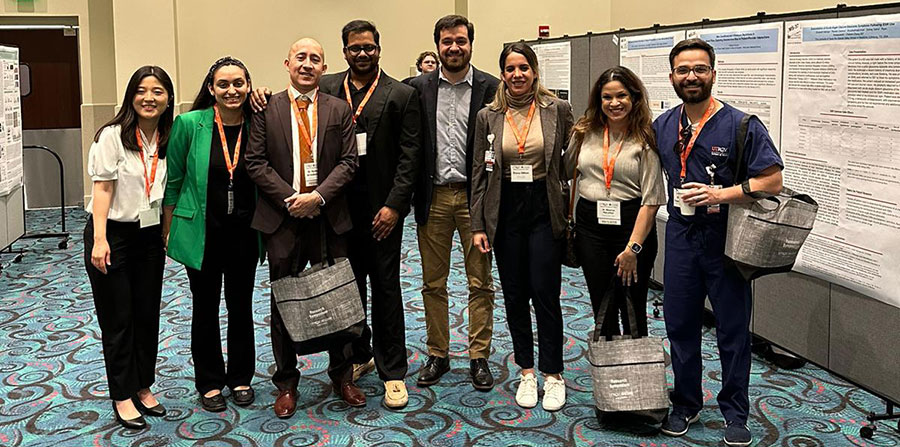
<point x="350" y="393"/>
<point x="286" y="403"/>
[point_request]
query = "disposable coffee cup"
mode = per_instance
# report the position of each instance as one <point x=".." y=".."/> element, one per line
<point x="686" y="210"/>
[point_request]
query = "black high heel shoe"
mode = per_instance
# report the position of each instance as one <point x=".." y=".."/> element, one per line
<point x="157" y="410"/>
<point x="137" y="423"/>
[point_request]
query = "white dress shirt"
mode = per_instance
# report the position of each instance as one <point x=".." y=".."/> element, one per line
<point x="108" y="160"/>
<point x="295" y="133"/>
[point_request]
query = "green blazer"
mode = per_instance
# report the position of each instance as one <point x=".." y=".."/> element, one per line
<point x="187" y="158"/>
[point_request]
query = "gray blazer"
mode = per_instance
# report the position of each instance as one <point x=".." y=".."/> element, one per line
<point x="556" y="125"/>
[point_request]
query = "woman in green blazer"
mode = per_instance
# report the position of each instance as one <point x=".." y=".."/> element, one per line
<point x="208" y="205"/>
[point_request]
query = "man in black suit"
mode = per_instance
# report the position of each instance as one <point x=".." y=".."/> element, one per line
<point x="387" y="119"/>
<point x="302" y="156"/>
<point x="450" y="98"/>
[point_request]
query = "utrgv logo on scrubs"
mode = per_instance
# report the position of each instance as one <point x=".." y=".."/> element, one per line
<point x="719" y="151"/>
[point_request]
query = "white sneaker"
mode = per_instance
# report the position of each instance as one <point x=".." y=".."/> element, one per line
<point x="554" y="393"/>
<point x="527" y="394"/>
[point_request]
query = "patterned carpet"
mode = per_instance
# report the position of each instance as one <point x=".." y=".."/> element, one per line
<point x="54" y="389"/>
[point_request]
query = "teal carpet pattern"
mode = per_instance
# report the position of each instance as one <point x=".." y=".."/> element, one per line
<point x="53" y="388"/>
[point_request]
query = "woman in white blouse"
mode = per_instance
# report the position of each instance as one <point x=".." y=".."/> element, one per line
<point x="124" y="249"/>
<point x="620" y="187"/>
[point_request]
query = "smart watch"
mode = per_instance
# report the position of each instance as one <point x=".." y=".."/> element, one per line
<point x="745" y="187"/>
<point x="635" y="247"/>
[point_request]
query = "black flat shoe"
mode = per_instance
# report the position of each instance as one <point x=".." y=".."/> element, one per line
<point x="137" y="423"/>
<point x="157" y="410"/>
<point x="482" y="379"/>
<point x="243" y="397"/>
<point x="215" y="404"/>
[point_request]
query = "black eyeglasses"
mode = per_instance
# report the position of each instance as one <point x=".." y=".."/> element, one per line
<point x="699" y="70"/>
<point x="356" y="49"/>
<point x="683" y="139"/>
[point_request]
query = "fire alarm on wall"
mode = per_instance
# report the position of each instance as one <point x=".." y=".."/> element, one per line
<point x="543" y="31"/>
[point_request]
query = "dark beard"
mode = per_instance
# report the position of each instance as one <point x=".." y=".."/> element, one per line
<point x="456" y="68"/>
<point x="703" y="95"/>
<point x="362" y="72"/>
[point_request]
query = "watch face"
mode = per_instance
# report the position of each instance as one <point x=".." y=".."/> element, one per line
<point x="635" y="247"/>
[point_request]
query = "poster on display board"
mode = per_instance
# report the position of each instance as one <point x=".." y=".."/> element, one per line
<point x="841" y="145"/>
<point x="555" y="62"/>
<point x="748" y="69"/>
<point x="648" y="57"/>
<point x="11" y="169"/>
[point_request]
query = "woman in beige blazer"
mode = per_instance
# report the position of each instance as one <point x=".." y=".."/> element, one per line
<point x="517" y="207"/>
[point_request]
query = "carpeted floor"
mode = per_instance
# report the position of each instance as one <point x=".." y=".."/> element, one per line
<point x="54" y="388"/>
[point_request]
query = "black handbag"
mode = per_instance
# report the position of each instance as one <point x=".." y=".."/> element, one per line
<point x="320" y="307"/>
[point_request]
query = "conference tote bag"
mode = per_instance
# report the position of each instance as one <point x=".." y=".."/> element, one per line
<point x="765" y="236"/>
<point x="321" y="306"/>
<point x="628" y="371"/>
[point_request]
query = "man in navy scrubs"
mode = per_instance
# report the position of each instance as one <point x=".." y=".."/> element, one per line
<point x="698" y="152"/>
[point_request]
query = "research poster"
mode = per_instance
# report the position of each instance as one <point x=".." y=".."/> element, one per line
<point x="555" y="61"/>
<point x="841" y="145"/>
<point x="648" y="56"/>
<point x="11" y="123"/>
<point x="748" y="69"/>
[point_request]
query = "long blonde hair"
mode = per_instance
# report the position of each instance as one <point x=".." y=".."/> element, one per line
<point x="541" y="94"/>
<point x="639" y="119"/>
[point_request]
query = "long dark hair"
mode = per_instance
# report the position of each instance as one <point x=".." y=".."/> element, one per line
<point x="128" y="117"/>
<point x="541" y="94"/>
<point x="205" y="99"/>
<point x="639" y="119"/>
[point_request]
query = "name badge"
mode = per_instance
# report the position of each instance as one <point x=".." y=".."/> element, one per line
<point x="361" y="143"/>
<point x="489" y="160"/>
<point x="311" y="174"/>
<point x="149" y="217"/>
<point x="521" y="173"/>
<point x="609" y="212"/>
<point x="713" y="209"/>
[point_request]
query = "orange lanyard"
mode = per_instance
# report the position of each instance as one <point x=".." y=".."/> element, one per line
<point x="148" y="182"/>
<point x="694" y="134"/>
<point x="315" y="120"/>
<point x="229" y="164"/>
<point x="609" y="164"/>
<point x="521" y="137"/>
<point x="365" y="99"/>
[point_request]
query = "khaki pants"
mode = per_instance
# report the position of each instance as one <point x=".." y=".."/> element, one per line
<point x="450" y="211"/>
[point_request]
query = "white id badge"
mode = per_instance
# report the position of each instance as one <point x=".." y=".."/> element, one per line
<point x="149" y="216"/>
<point x="489" y="160"/>
<point x="361" y="144"/>
<point x="521" y="173"/>
<point x="609" y="212"/>
<point x="311" y="174"/>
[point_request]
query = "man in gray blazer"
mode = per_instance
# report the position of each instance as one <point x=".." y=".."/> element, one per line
<point x="450" y="98"/>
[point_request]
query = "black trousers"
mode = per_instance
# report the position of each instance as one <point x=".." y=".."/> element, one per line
<point x="379" y="261"/>
<point x="597" y="247"/>
<point x="529" y="261"/>
<point x="294" y="245"/>
<point x="127" y="300"/>
<point x="230" y="254"/>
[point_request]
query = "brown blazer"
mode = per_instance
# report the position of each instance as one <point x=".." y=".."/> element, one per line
<point x="270" y="164"/>
<point x="556" y="124"/>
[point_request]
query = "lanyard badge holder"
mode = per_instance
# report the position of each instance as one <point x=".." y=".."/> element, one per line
<point x="310" y="170"/>
<point x="361" y="138"/>
<point x="230" y="164"/>
<point x="520" y="171"/>
<point x="609" y="212"/>
<point x="148" y="216"/>
<point x="688" y="146"/>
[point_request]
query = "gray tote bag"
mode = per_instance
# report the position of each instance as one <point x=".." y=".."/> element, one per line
<point x="321" y="307"/>
<point x="629" y="371"/>
<point x="765" y="236"/>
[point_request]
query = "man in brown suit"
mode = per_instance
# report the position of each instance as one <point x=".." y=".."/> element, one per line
<point x="302" y="155"/>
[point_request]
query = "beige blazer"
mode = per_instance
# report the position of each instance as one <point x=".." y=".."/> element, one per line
<point x="556" y="126"/>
